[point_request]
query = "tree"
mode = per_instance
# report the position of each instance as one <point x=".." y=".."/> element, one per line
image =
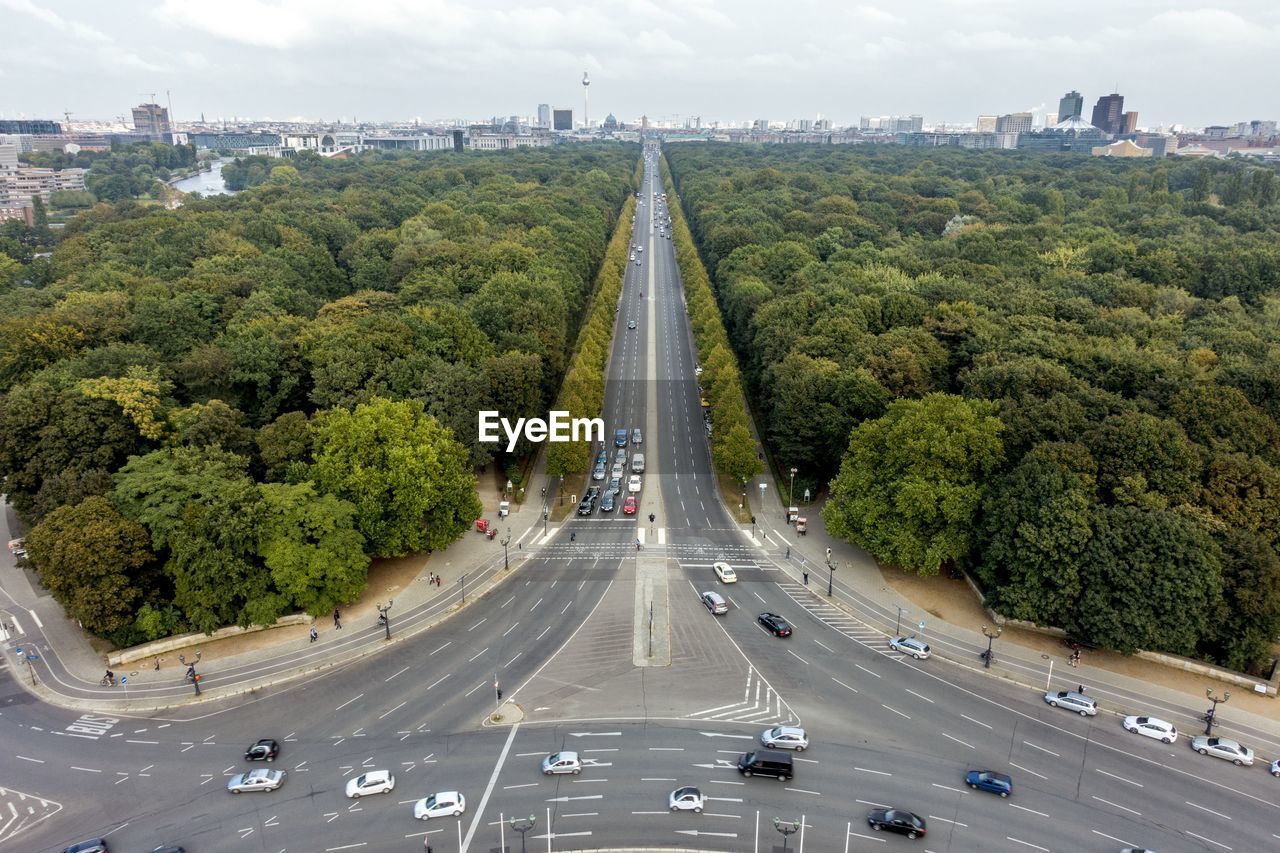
<point x="94" y="561"/>
<point x="1250" y="621"/>
<point x="406" y="476"/>
<point x="310" y="545"/>
<point x="734" y="453"/>
<point x="912" y="481"/>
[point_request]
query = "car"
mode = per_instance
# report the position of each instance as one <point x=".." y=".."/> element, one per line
<point x="602" y="458"/>
<point x="629" y="506"/>
<point x="620" y="456"/>
<point x="633" y="257"/>
<point x="443" y="804"/>
<point x="598" y="473"/>
<point x="561" y="762"/>
<point x="608" y="502"/>
<point x="1151" y="727"/>
<point x="256" y="780"/>
<point x="631" y="324"/>
<point x="686" y="799"/>
<point x="18" y="547"/>
<point x="1072" y="701"/>
<point x="896" y="820"/>
<point x="619" y="438"/>
<point x="93" y="845"/>
<point x="615" y="485"/>
<point x="724" y="572"/>
<point x="265" y="749"/>
<point x="785" y="737"/>
<point x="587" y="507"/>
<point x="989" y="780"/>
<point x="641" y="249"/>
<point x="912" y="645"/>
<point x="697" y="371"/>
<point x="775" y="624"/>
<point x="633" y="483"/>
<point x="636" y="437"/>
<point x="714" y="602"/>
<point x="373" y="782"/>
<point x="1221" y="747"/>
<point x="637" y="262"/>
<point x="1275" y="767"/>
<point x="593" y="493"/>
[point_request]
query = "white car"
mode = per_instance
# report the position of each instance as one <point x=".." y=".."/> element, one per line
<point x="784" y="737"/>
<point x="687" y="799"/>
<point x="443" y="804"/>
<point x="1221" y="747"/>
<point x="725" y="572"/>
<point x="1151" y="727"/>
<point x="913" y="646"/>
<point x="256" y="780"/>
<point x="1275" y="767"/>
<point x="373" y="782"/>
<point x="562" y="762"/>
<point x="633" y="483"/>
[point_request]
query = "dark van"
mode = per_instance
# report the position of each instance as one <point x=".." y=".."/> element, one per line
<point x="766" y="762"/>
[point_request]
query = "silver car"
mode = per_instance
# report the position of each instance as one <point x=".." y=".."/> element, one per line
<point x="1072" y="701"/>
<point x="256" y="780"/>
<point x="1221" y="747"/>
<point x="785" y="737"/>
<point x="562" y="762"/>
<point x="913" y="646"/>
<point x="715" y="603"/>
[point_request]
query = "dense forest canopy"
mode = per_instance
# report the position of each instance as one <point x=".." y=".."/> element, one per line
<point x="1060" y="372"/>
<point x="220" y="413"/>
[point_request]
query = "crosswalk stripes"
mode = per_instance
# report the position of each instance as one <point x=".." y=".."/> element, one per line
<point x="836" y="619"/>
<point x="760" y="704"/>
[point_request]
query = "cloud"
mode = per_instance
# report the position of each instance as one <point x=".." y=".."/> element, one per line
<point x="874" y="15"/>
<point x="660" y="43"/>
<point x="1210" y="26"/>
<point x="53" y="19"/>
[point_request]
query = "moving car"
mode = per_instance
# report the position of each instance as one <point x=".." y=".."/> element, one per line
<point x="912" y="645"/>
<point x="989" y="780"/>
<point x="896" y="820"/>
<point x="631" y="324"/>
<point x="598" y="472"/>
<point x="608" y="501"/>
<point x="686" y="799"/>
<point x="256" y="780"/>
<point x="714" y="602"/>
<point x="785" y="737"/>
<point x="562" y="762"/>
<point x="1072" y="701"/>
<point x="636" y="436"/>
<point x="1221" y="747"/>
<point x="1151" y="727"/>
<point x="373" y="782"/>
<point x="766" y="762"/>
<point x="1275" y="767"/>
<point x="443" y="804"/>
<point x="619" y="438"/>
<point x="633" y="483"/>
<point x="264" y="750"/>
<point x="587" y="506"/>
<point x="93" y="845"/>
<point x="629" y="506"/>
<point x="775" y="624"/>
<point x="725" y="572"/>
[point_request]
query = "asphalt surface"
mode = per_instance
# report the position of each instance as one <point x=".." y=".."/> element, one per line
<point x="564" y="639"/>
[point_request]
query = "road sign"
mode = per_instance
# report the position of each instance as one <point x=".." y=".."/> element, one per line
<point x="124" y="679"/>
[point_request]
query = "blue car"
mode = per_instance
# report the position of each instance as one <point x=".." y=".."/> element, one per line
<point x="620" y="438"/>
<point x="989" y="780"/>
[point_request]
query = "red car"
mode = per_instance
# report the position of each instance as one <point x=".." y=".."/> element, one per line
<point x="629" y="505"/>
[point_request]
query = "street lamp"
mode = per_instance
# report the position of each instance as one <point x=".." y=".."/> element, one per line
<point x="897" y="625"/>
<point x="1212" y="714"/>
<point x="506" y="564"/>
<point x="546" y="515"/>
<point x="560" y="490"/>
<point x="791" y="494"/>
<point x="462" y="581"/>
<point x="384" y="615"/>
<point x="831" y="575"/>
<point x="787" y="828"/>
<point x="522" y="827"/>
<point x="192" y="675"/>
<point x="986" y="632"/>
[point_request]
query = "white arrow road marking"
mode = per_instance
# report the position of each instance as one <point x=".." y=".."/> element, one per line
<point x="583" y="797"/>
<point x="722" y="734"/>
<point x="704" y="832"/>
<point x="595" y="734"/>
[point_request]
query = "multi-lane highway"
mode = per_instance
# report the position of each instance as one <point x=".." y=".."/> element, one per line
<point x="606" y="650"/>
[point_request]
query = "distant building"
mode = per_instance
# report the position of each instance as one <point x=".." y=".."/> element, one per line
<point x="152" y="120"/>
<point x="610" y="122"/>
<point x="1071" y="105"/>
<point x="19" y="212"/>
<point x="458" y="137"/>
<point x="1121" y="148"/>
<point x="415" y="142"/>
<point x="19" y="186"/>
<point x="959" y="140"/>
<point x="1071" y="136"/>
<point x="507" y="141"/>
<point x="32" y="126"/>
<point x="544" y="116"/>
<point x="985" y="124"/>
<point x="249" y="143"/>
<point x="562" y="119"/>
<point x="1129" y="123"/>
<point x="8" y="158"/>
<point x="1014" y="123"/>
<point x="1108" y="113"/>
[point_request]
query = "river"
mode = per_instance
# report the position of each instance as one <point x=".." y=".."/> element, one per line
<point x="205" y="183"/>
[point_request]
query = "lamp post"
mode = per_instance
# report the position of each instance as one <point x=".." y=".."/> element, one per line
<point x="522" y="827"/>
<point x="506" y="540"/>
<point x="786" y="828"/>
<point x="192" y="675"/>
<point x="831" y="576"/>
<point x="897" y="625"/>
<point x="546" y="515"/>
<point x="986" y="632"/>
<point x="1212" y="715"/>
<point x="462" y="581"/>
<point x="791" y="494"/>
<point x="384" y="616"/>
<point x="560" y="490"/>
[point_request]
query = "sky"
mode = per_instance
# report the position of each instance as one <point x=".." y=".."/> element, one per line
<point x="1192" y="62"/>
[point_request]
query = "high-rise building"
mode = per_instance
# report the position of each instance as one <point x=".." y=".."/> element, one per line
<point x="1014" y="123"/>
<point x="1070" y="106"/>
<point x="151" y="119"/>
<point x="1129" y="122"/>
<point x="985" y="124"/>
<point x="544" y="115"/>
<point x="1108" y="113"/>
<point x="562" y="119"/>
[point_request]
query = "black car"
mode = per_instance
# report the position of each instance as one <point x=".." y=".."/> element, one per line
<point x="896" y="820"/>
<point x="587" y="506"/>
<point x="93" y="845"/>
<point x="607" y="502"/>
<point x="264" y="750"/>
<point x="593" y="494"/>
<point x="775" y="624"/>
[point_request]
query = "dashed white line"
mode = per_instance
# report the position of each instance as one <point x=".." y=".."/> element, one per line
<point x="957" y="740"/>
<point x="1025" y="809"/>
<point x="1207" y="809"/>
<point x="1118" y="806"/>
<point x="1042" y="749"/>
<point x="1120" y="778"/>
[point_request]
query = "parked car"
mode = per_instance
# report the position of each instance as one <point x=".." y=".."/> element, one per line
<point x="725" y="572"/>
<point x="264" y="750"/>
<point x="715" y="603"/>
<point x="1072" y="701"/>
<point x="686" y="799"/>
<point x="1151" y="727"/>
<point x="989" y="780"/>
<point x="912" y="645"/>
<point x="785" y="737"/>
<point x="896" y="820"/>
<point x="256" y="780"/>
<point x="1221" y="747"/>
<point x="774" y="624"/>
<point x="562" y="762"/>
<point x="373" y="782"/>
<point x="443" y="804"/>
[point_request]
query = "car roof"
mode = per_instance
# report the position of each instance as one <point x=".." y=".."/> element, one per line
<point x="568" y="755"/>
<point x="713" y="595"/>
<point x="787" y="730"/>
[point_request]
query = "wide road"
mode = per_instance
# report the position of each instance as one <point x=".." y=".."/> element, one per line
<point x="563" y="636"/>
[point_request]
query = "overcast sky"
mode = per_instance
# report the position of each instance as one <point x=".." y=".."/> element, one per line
<point x="1191" y="61"/>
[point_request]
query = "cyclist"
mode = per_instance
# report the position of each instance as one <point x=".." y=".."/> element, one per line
<point x="109" y="678"/>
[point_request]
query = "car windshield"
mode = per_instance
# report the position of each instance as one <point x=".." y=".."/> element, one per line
<point x="431" y="802"/>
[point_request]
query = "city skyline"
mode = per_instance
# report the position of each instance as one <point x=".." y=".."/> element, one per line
<point x="386" y="60"/>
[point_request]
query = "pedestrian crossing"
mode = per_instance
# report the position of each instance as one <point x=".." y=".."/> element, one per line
<point x="836" y="619"/>
<point x="760" y="704"/>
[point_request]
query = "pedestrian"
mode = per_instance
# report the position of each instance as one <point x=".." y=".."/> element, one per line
<point x="439" y="582"/>
<point x="314" y="633"/>
<point x="499" y="694"/>
<point x="157" y="664"/>
<point x="337" y="619"/>
<point x="573" y="535"/>
<point x="788" y="552"/>
<point x="1080" y="690"/>
<point x="806" y="578"/>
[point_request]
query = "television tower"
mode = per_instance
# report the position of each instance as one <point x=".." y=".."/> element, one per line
<point x="586" y="100"/>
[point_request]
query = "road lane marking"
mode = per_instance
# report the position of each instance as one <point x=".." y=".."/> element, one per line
<point x="509" y="630"/>
<point x="1207" y="809"/>
<point x="513" y="660"/>
<point x="508" y="601"/>
<point x="1120" y="778"/>
<point x="825" y="646"/>
<point x="1118" y="806"/>
<point x="478" y="624"/>
<point x="548" y="628"/>
<point x="842" y="684"/>
<point x="493" y="780"/>
<point x="918" y="696"/>
<point x="803" y="791"/>
<point x="1027" y="843"/>
<point x="877" y="772"/>
<point x="393" y="710"/>
<point x="899" y="713"/>
<point x="949" y="788"/>
<point x="348" y="702"/>
<point x="867" y="671"/>
<point x="979" y="722"/>
<point x="525" y="785"/>
<point x="1025" y="770"/>
<point x="957" y="740"/>
<point x="442" y="648"/>
<point x="947" y="820"/>
<point x="438" y="680"/>
<point x="654" y="779"/>
<point x="567" y="605"/>
<point x="1042" y="749"/>
<point x="1210" y="840"/>
<point x="1025" y="809"/>
<point x="393" y="675"/>
<point x="797" y="657"/>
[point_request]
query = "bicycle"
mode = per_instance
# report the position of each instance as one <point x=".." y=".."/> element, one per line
<point x="108" y="681"/>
